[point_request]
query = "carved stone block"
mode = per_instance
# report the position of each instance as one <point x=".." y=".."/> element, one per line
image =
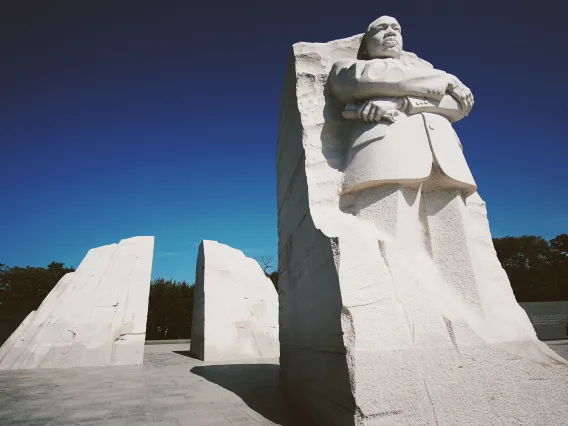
<point x="95" y="316"/>
<point x="235" y="310"/>
<point x="394" y="308"/>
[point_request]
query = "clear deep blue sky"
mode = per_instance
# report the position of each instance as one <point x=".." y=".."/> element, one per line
<point x="125" y="118"/>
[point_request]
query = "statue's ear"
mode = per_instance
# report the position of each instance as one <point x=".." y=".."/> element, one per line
<point x="362" y="53"/>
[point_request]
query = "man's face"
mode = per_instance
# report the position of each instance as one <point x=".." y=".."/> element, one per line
<point x="384" y="38"/>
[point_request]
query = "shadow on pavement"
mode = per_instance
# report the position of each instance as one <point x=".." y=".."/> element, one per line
<point x="187" y="354"/>
<point x="258" y="386"/>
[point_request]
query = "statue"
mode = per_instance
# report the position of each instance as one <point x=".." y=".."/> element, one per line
<point x="403" y="144"/>
<point x="384" y="86"/>
<point x="393" y="306"/>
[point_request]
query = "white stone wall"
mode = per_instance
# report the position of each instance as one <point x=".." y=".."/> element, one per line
<point x="372" y="334"/>
<point x="235" y="312"/>
<point x="313" y="367"/>
<point x="95" y="316"/>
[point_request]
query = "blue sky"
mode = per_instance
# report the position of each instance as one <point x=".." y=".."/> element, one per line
<point x="125" y="118"/>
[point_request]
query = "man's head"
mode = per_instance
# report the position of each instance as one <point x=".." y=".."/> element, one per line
<point x="383" y="38"/>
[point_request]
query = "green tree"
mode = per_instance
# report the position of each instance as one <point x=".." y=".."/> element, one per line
<point x="170" y="308"/>
<point x="537" y="269"/>
<point x="22" y="290"/>
<point x="274" y="278"/>
<point x="560" y="244"/>
<point x="559" y="247"/>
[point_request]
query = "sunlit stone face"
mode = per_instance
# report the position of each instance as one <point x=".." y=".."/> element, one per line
<point x="384" y="38"/>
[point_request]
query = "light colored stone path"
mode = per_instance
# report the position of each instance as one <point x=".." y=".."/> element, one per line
<point x="169" y="389"/>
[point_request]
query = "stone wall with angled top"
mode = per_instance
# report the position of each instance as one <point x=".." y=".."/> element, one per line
<point x="95" y="316"/>
<point x="235" y="311"/>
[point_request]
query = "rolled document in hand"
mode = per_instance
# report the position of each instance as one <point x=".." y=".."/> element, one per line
<point x="447" y="107"/>
<point x="350" y="113"/>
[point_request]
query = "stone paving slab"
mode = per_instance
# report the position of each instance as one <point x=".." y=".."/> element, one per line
<point x="171" y="388"/>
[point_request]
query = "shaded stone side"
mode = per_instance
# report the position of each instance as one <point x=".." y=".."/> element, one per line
<point x="198" y="319"/>
<point x="313" y="366"/>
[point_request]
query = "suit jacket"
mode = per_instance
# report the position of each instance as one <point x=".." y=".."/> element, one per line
<point x="404" y="151"/>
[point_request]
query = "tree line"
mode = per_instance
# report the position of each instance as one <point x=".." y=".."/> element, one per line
<point x="537" y="269"/>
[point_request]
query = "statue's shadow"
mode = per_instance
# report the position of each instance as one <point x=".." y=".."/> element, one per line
<point x="335" y="129"/>
<point x="258" y="386"/>
<point x="188" y="354"/>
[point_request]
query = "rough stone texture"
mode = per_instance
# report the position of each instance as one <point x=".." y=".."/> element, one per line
<point x="95" y="316"/>
<point x="235" y="310"/>
<point x="373" y="333"/>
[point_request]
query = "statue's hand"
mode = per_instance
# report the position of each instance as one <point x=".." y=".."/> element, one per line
<point x="462" y="94"/>
<point x="373" y="110"/>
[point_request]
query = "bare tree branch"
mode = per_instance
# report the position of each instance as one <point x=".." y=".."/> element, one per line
<point x="267" y="263"/>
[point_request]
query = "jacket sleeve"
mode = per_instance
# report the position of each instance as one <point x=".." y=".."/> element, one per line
<point x="447" y="107"/>
<point x="356" y="80"/>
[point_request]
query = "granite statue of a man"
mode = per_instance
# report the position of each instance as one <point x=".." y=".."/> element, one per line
<point x="387" y="87"/>
<point x="404" y="168"/>
<point x="393" y="306"/>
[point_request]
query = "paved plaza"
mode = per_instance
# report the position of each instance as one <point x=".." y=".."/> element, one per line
<point x="171" y="388"/>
